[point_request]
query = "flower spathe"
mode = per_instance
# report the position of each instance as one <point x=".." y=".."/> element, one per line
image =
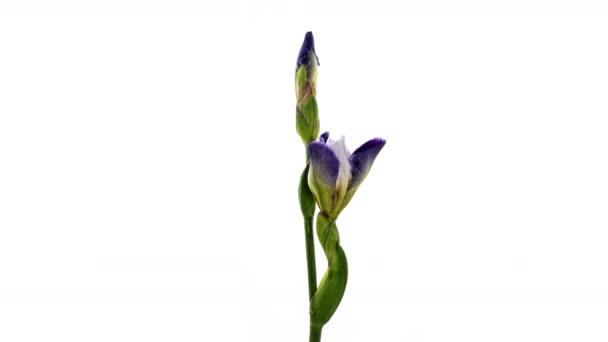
<point x="335" y="174"/>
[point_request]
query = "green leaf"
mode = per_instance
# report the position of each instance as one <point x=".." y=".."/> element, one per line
<point x="329" y="294"/>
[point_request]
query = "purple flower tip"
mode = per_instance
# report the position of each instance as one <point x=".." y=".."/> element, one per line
<point x="362" y="159"/>
<point x="307" y="47"/>
<point x="324" y="137"/>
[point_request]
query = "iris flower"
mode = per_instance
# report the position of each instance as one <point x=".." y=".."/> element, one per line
<point x="335" y="174"/>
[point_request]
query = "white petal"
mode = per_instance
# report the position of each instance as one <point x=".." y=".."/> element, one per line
<point x="344" y="174"/>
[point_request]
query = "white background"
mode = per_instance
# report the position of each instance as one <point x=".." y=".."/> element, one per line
<point x="149" y="165"/>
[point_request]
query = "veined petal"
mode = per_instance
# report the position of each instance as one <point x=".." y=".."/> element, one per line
<point x="344" y="174"/>
<point x="324" y="163"/>
<point x="362" y="159"/>
<point x="323" y="174"/>
<point x="361" y="162"/>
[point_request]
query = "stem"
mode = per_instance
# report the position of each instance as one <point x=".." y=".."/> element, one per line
<point x="310" y="258"/>
<point x="308" y="206"/>
<point x="315" y="333"/>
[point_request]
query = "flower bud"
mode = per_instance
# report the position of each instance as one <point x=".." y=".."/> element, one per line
<point x="307" y="112"/>
<point x="306" y="70"/>
<point x="335" y="174"/>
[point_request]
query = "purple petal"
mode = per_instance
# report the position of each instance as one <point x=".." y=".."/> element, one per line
<point x="362" y="159"/>
<point x="324" y="137"/>
<point x="307" y="46"/>
<point x="324" y="163"/>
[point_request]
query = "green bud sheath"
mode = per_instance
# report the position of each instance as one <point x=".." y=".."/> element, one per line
<point x="307" y="120"/>
<point x="307" y="200"/>
<point x="331" y="289"/>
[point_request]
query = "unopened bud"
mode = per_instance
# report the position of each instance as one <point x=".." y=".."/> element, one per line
<point x="307" y="113"/>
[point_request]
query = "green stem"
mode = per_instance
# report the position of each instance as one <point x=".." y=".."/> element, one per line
<point x="310" y="257"/>
<point x="315" y="333"/>
<point x="308" y="206"/>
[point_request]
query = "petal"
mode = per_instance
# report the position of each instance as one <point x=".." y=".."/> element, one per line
<point x="361" y="162"/>
<point x="324" y="163"/>
<point x="323" y="174"/>
<point x="344" y="174"/>
<point x="362" y="159"/>
<point x="324" y="137"/>
<point x="308" y="46"/>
